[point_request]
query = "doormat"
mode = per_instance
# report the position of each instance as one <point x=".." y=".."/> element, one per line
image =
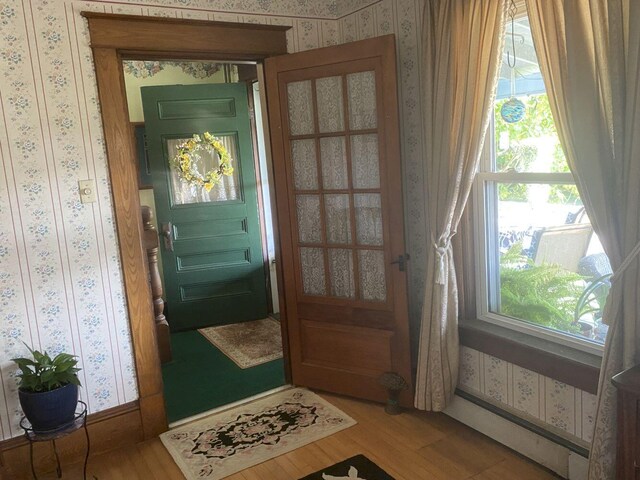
<point x="354" y="468"/>
<point x="248" y="343"/>
<point x="230" y="441"/>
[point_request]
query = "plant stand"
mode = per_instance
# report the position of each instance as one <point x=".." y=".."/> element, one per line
<point x="33" y="436"/>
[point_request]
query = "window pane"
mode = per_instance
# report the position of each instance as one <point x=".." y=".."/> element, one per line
<point x="300" y="101"/>
<point x="305" y="168"/>
<point x="312" y="266"/>
<point x="341" y="273"/>
<point x="361" y="89"/>
<point x="373" y="285"/>
<point x="337" y="218"/>
<point x="205" y="160"/>
<point x="308" y="210"/>
<point x="365" y="161"/>
<point x="330" y="104"/>
<point x="368" y="218"/>
<point x="333" y="159"/>
<point x="548" y="266"/>
<point x="530" y="144"/>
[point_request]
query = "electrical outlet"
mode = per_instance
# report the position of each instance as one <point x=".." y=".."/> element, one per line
<point x="87" y="191"/>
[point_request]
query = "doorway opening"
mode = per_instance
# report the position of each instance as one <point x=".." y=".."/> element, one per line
<point x="215" y="251"/>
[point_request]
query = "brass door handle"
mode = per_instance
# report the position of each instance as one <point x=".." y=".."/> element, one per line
<point x="167" y="234"/>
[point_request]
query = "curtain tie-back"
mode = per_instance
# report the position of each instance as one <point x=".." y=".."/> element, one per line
<point x="441" y="249"/>
<point x="626" y="262"/>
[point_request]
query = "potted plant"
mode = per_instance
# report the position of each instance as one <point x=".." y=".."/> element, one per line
<point x="48" y="389"/>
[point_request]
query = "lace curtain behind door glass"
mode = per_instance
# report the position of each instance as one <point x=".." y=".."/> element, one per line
<point x="226" y="190"/>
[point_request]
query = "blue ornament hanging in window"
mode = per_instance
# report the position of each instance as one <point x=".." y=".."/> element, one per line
<point x="512" y="110"/>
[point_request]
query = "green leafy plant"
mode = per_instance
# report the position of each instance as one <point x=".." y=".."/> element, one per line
<point x="43" y="373"/>
<point x="544" y="294"/>
<point x="594" y="298"/>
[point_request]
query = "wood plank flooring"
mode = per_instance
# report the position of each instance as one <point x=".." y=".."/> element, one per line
<point x="411" y="446"/>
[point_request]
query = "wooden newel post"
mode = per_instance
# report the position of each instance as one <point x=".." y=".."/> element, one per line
<point x="150" y="241"/>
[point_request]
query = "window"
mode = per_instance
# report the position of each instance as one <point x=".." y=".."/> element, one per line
<point x="541" y="267"/>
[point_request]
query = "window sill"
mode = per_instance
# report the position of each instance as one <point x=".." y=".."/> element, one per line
<point x="565" y="364"/>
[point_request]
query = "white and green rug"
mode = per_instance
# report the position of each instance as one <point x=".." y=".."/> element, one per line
<point x="227" y="442"/>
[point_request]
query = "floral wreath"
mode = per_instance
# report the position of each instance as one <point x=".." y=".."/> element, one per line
<point x="185" y="161"/>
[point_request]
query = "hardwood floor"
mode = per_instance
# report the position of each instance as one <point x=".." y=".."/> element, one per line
<point x="411" y="446"/>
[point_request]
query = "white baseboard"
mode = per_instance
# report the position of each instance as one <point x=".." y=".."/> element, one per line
<point x="551" y="455"/>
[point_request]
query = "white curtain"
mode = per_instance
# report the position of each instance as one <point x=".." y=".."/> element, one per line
<point x="589" y="53"/>
<point x="461" y="55"/>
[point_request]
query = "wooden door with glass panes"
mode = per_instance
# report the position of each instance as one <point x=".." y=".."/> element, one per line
<point x="334" y="128"/>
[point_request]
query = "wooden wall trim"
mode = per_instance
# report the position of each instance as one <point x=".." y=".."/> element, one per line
<point x="108" y="430"/>
<point x="157" y="34"/>
<point x="114" y="37"/>
<point x="567" y="365"/>
<point x="121" y="156"/>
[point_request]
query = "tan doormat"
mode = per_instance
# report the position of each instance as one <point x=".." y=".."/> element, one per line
<point x="248" y="343"/>
<point x="227" y="442"/>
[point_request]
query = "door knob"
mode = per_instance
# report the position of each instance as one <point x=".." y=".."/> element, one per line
<point x="166" y="233"/>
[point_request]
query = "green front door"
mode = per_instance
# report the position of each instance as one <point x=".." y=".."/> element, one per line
<point x="210" y="241"/>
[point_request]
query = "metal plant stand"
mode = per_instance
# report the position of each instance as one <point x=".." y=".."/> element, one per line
<point x="79" y="421"/>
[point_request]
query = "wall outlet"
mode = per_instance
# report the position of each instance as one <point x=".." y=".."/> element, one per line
<point x="87" y="191"/>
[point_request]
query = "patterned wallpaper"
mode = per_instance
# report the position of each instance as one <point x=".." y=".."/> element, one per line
<point x="60" y="278"/>
<point x="556" y="406"/>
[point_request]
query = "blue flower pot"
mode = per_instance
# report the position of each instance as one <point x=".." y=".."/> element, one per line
<point x="50" y="410"/>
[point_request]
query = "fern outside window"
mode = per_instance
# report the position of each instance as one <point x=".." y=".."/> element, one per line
<point x="541" y="266"/>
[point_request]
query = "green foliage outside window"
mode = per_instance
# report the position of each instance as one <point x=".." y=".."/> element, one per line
<point x="537" y="122"/>
<point x="543" y="294"/>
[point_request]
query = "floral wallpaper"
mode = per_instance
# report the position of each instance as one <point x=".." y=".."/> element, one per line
<point x="556" y="406"/>
<point x="60" y="278"/>
<point x="149" y="68"/>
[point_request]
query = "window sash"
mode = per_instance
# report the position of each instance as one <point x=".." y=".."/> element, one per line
<point x="487" y="255"/>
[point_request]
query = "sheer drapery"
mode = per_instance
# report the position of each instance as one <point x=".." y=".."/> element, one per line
<point x="461" y="55"/>
<point x="589" y="54"/>
<point x="227" y="189"/>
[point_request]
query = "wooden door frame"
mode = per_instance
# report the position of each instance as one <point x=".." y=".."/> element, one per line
<point x="117" y="37"/>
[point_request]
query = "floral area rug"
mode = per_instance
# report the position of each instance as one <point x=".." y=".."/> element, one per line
<point x="230" y="441"/>
<point x="248" y="343"/>
<point x="354" y="468"/>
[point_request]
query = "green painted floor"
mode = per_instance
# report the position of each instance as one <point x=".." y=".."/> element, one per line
<point x="200" y="377"/>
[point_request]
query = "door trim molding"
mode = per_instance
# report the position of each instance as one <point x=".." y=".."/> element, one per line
<point x="113" y="38"/>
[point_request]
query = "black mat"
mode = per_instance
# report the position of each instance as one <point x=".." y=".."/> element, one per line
<point x="356" y="468"/>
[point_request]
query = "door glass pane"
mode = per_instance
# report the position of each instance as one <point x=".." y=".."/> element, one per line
<point x="338" y="218"/>
<point x="361" y="89"/>
<point x="330" y="104"/>
<point x="308" y="209"/>
<point x="364" y="161"/>
<point x="373" y="285"/>
<point x="368" y="218"/>
<point x="312" y="264"/>
<point x="300" y="108"/>
<point x="333" y="160"/>
<point x="204" y="161"/>
<point x="305" y="167"/>
<point x="341" y="273"/>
